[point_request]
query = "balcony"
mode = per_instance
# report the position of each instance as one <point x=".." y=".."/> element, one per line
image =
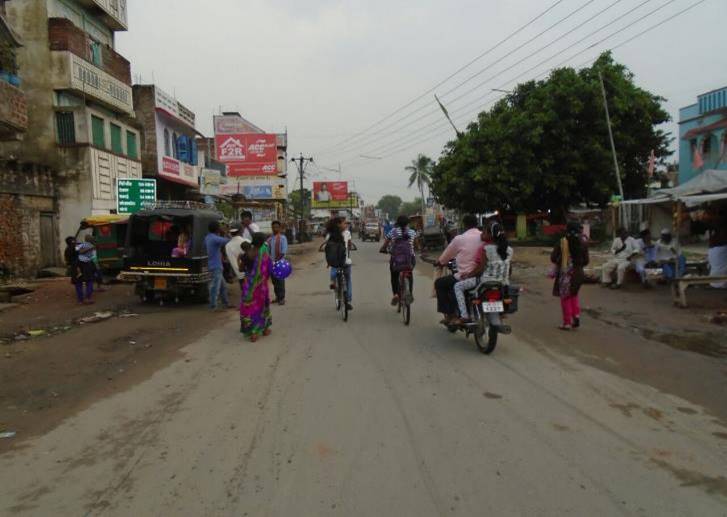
<point x="70" y="72"/>
<point x="64" y="35"/>
<point x="13" y="112"/>
<point x="106" y="169"/>
<point x="113" y="12"/>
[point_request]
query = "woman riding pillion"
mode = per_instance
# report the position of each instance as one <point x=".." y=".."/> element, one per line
<point x="338" y="247"/>
<point x="399" y="244"/>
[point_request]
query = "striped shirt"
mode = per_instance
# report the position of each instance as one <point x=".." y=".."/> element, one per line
<point x="397" y="233"/>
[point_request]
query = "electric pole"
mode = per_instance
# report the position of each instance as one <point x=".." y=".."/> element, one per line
<point x="610" y="136"/>
<point x="301" y="162"/>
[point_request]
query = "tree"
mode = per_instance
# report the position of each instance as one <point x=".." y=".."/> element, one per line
<point x="411" y="207"/>
<point x="390" y="205"/>
<point x="421" y="173"/>
<point x="294" y="200"/>
<point x="545" y="146"/>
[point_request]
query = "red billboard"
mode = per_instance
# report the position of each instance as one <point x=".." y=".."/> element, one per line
<point x="330" y="194"/>
<point x="248" y="154"/>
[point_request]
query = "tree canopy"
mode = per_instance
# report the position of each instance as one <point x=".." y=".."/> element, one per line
<point x="546" y="145"/>
<point x="390" y="205"/>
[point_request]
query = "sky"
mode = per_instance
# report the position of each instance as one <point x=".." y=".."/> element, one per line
<point x="353" y="82"/>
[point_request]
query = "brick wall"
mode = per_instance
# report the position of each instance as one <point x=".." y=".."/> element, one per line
<point x="13" y="108"/>
<point x="145" y="108"/>
<point x="20" y="254"/>
<point x="64" y="35"/>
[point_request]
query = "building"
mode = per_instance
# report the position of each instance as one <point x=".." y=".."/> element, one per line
<point x="703" y="135"/>
<point x="81" y="134"/>
<point x="169" y="143"/>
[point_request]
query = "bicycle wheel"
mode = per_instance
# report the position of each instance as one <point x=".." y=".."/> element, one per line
<point x="338" y="293"/>
<point x="406" y="300"/>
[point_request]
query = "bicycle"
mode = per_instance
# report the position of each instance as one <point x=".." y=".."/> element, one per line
<point x="405" y="295"/>
<point x="340" y="293"/>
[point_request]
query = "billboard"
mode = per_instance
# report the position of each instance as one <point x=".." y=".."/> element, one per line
<point x="330" y="194"/>
<point x="248" y="154"/>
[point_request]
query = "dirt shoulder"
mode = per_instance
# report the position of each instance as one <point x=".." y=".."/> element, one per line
<point x="57" y="357"/>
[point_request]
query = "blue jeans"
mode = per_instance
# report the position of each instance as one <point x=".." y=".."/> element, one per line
<point x="668" y="268"/>
<point x="349" y="285"/>
<point x="218" y="288"/>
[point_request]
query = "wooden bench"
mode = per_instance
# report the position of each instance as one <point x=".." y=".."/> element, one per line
<point x="680" y="285"/>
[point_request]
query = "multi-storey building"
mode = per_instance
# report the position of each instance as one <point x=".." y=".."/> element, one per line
<point x="169" y="143"/>
<point x="81" y="123"/>
<point x="703" y="135"/>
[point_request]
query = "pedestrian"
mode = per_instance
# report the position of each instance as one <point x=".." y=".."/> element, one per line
<point x="570" y="256"/>
<point x="86" y="272"/>
<point x="234" y="249"/>
<point x="248" y="228"/>
<point x="255" y="316"/>
<point x="338" y="245"/>
<point x="214" y="243"/>
<point x="623" y="249"/>
<point x="717" y="254"/>
<point x="73" y="271"/>
<point x="98" y="273"/>
<point x="278" y="246"/>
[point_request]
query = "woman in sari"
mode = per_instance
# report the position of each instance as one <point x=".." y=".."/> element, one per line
<point x="570" y="256"/>
<point x="255" y="318"/>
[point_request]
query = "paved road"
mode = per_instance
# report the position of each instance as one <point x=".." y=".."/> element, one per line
<point x="372" y="418"/>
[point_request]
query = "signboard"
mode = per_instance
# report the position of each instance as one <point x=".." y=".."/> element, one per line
<point x="256" y="187"/>
<point x="258" y="191"/>
<point x="131" y="194"/>
<point x="330" y="194"/>
<point x="248" y="154"/>
<point x="210" y="181"/>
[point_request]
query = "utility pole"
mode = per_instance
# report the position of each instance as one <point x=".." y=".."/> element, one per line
<point x="610" y="136"/>
<point x="300" y="162"/>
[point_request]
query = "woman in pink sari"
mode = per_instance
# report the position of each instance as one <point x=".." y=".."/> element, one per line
<point x="255" y="317"/>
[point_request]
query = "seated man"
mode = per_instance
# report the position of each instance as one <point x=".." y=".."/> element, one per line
<point x="623" y="249"/>
<point x="645" y="256"/>
<point x="669" y="256"/>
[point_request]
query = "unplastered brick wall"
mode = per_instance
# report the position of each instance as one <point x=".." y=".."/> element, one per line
<point x="19" y="235"/>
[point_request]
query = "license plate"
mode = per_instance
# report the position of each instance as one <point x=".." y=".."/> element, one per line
<point x="160" y="283"/>
<point x="489" y="307"/>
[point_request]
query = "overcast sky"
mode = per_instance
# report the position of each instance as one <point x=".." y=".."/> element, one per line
<point x="327" y="69"/>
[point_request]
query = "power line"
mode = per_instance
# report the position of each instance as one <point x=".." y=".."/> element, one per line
<point x="629" y="40"/>
<point x="453" y="74"/>
<point x="376" y="137"/>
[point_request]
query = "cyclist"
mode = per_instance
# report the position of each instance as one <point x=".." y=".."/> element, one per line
<point x="338" y="247"/>
<point x="402" y="256"/>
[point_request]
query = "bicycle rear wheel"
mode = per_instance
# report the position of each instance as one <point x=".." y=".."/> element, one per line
<point x="405" y="300"/>
<point x="342" y="296"/>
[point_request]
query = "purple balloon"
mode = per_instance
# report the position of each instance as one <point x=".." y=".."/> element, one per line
<point x="282" y="269"/>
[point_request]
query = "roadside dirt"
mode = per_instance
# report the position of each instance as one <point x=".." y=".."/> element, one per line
<point x="72" y="364"/>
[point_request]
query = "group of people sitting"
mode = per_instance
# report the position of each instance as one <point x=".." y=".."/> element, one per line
<point x="642" y="254"/>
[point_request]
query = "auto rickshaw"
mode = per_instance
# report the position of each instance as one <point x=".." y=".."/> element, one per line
<point x="165" y="254"/>
<point x="109" y="232"/>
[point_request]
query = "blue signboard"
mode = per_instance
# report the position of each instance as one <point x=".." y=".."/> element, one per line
<point x="258" y="191"/>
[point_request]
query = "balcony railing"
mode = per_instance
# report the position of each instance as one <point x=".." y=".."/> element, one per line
<point x="70" y="72"/>
<point x="13" y="111"/>
<point x="113" y="12"/>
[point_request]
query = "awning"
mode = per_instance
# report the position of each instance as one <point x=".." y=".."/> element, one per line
<point x="694" y="133"/>
<point x="691" y="201"/>
<point x="648" y="201"/>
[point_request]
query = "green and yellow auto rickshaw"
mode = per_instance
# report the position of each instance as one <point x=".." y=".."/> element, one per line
<point x="109" y="233"/>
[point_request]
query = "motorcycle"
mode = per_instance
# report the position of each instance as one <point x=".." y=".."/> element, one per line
<point x="487" y="304"/>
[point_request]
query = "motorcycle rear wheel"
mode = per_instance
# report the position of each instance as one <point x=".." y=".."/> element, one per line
<point x="485" y="334"/>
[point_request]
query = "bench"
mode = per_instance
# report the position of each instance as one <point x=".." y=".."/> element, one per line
<point x="680" y="285"/>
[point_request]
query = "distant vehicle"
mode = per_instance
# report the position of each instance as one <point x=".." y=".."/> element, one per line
<point x="153" y="259"/>
<point x="371" y="230"/>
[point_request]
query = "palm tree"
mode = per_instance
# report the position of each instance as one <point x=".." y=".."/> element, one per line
<point x="421" y="174"/>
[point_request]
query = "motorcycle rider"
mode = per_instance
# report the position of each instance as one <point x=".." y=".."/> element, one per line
<point x="465" y="249"/>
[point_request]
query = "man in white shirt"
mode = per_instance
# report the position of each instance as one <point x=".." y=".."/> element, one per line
<point x="324" y="196"/>
<point x="248" y="227"/>
<point x="623" y="249"/>
<point x="233" y="250"/>
<point x="669" y="256"/>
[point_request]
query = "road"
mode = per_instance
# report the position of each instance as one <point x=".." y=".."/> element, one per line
<point x="372" y="418"/>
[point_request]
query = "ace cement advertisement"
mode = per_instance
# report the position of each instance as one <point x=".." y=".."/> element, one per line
<point x="246" y="150"/>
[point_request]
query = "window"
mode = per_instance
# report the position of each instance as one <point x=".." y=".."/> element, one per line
<point x="116" y="145"/>
<point x="175" y="149"/>
<point x="707" y="145"/>
<point x="167" y="143"/>
<point x="131" y="150"/>
<point x="66" y="128"/>
<point x="98" y="132"/>
<point x="95" y="53"/>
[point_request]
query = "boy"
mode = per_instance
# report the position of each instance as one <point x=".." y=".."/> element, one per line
<point x="278" y="244"/>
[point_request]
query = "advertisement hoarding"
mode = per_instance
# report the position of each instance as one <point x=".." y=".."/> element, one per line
<point x="248" y="154"/>
<point x="131" y="194"/>
<point x="330" y="194"/>
<point x="256" y="187"/>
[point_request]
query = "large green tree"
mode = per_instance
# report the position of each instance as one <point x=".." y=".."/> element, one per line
<point x="546" y="146"/>
<point x="411" y="207"/>
<point x="390" y="205"/>
<point x="294" y="201"/>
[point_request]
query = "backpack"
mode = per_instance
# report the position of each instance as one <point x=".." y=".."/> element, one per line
<point x="336" y="254"/>
<point x="402" y="258"/>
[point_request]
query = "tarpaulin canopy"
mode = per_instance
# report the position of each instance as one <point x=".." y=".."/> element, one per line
<point x="711" y="185"/>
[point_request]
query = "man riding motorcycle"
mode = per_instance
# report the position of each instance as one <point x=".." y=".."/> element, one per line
<point x="466" y="250"/>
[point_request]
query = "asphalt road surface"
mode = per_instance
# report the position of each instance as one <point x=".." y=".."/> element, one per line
<point x="373" y="418"/>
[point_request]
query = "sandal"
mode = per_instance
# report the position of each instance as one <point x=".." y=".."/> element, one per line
<point x="565" y="327"/>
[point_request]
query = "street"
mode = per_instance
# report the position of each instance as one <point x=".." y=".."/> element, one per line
<point x="374" y="418"/>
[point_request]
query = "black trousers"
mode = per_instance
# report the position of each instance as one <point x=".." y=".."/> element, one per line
<point x="279" y="287"/>
<point x="395" y="282"/>
<point x="446" y="301"/>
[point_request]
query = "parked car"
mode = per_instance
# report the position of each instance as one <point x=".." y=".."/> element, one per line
<point x="371" y="231"/>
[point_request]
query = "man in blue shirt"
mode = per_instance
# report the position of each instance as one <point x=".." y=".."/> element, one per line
<point x="278" y="245"/>
<point x="215" y="244"/>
